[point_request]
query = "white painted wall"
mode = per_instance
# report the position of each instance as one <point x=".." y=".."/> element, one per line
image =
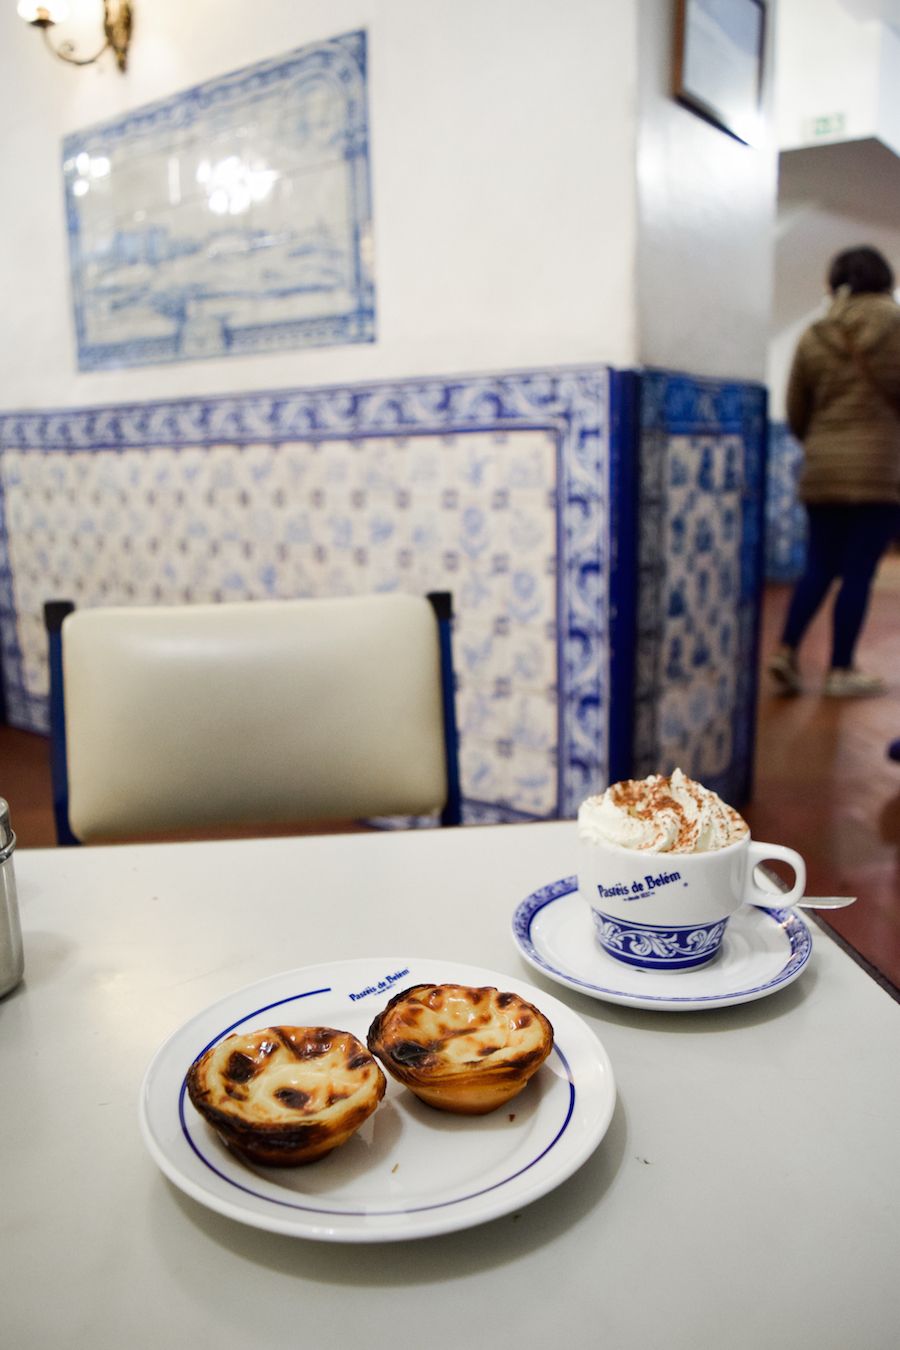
<point x="838" y="72"/>
<point x="837" y="93"/>
<point x="827" y="71"/>
<point x="539" y="198"/>
<point x="503" y="185"/>
<point x="706" y="208"/>
<point x="888" y="115"/>
<point x="830" y="198"/>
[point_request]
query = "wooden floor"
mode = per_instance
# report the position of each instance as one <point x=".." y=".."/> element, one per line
<point x="824" y="784"/>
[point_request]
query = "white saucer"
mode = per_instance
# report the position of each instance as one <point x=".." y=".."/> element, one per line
<point x="762" y="951"/>
<point x="409" y="1171"/>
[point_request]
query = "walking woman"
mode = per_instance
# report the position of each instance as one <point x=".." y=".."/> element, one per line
<point x="843" y="404"/>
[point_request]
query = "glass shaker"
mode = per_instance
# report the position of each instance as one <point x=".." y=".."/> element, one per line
<point x="12" y="961"/>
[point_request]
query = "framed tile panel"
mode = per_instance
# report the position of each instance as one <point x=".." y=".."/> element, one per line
<point x="232" y="218"/>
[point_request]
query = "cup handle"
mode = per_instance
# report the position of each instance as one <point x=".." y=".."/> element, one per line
<point x="755" y="895"/>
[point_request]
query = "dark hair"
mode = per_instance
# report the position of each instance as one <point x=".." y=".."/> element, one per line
<point x="861" y="270"/>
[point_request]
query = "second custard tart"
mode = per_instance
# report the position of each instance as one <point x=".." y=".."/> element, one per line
<point x="461" y="1048"/>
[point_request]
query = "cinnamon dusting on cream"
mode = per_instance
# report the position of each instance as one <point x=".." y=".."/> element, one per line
<point x="660" y="814"/>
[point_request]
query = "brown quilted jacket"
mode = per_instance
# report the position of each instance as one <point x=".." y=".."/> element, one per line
<point x="843" y="402"/>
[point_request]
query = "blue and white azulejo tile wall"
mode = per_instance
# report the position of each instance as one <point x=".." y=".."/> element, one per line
<point x="492" y="486"/>
<point x="785" y="517"/>
<point x="702" y="447"/>
<point x="601" y="532"/>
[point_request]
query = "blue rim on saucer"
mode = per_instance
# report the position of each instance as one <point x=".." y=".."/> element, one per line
<point x="776" y="945"/>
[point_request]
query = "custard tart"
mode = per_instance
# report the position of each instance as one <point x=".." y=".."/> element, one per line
<point x="286" y="1095"/>
<point x="460" y="1048"/>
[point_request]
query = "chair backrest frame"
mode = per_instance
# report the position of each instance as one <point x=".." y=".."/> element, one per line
<point x="54" y="613"/>
<point x="442" y="604"/>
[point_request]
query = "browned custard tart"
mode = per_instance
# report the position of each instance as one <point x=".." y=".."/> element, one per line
<point x="460" y="1048"/>
<point x="286" y="1095"/>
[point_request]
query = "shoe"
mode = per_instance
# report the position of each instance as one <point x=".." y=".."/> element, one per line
<point x="852" y="684"/>
<point x="783" y="669"/>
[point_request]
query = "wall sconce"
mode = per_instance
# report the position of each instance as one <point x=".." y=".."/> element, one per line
<point x="117" y="24"/>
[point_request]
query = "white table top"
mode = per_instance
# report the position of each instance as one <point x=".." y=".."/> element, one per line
<point x="745" y="1195"/>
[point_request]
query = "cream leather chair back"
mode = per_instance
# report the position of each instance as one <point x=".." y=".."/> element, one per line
<point x="264" y="711"/>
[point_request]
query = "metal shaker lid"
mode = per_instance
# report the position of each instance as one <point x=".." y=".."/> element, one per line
<point x="6" y="835"/>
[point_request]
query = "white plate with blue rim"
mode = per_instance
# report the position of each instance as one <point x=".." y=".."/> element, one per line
<point x="763" y="950"/>
<point x="410" y="1171"/>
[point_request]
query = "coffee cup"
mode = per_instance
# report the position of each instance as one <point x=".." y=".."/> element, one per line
<point x="669" y="911"/>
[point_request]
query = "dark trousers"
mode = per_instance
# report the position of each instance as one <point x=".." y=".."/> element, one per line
<point x="848" y="542"/>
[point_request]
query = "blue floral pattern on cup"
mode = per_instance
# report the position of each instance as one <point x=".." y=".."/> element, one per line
<point x="652" y="948"/>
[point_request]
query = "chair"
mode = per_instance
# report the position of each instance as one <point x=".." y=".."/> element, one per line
<point x="187" y="717"/>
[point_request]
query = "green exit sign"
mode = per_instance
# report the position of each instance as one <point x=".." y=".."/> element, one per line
<point x="829" y="124"/>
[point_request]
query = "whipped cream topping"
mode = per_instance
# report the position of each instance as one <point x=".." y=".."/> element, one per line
<point x="660" y="815"/>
